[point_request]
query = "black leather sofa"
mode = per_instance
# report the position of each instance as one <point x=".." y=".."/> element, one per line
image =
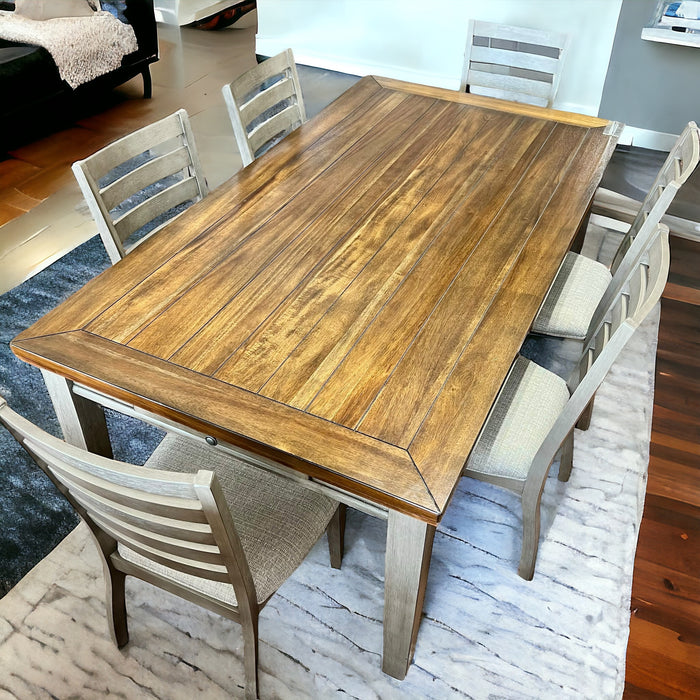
<point x="35" y="98"/>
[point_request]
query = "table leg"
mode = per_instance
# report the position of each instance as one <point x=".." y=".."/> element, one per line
<point x="82" y="421"/>
<point x="409" y="544"/>
<point x="577" y="243"/>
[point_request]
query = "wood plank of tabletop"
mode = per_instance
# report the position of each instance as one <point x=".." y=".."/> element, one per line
<point x="328" y="286"/>
<point x="437" y="280"/>
<point x="259" y="180"/>
<point x="453" y="424"/>
<point x="312" y="225"/>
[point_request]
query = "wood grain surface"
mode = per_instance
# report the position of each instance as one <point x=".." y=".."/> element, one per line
<point x="663" y="653"/>
<point x="350" y="303"/>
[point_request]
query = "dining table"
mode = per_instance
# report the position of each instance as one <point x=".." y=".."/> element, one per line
<point x="345" y="309"/>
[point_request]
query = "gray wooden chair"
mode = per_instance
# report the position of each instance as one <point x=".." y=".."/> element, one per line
<point x="513" y="63"/>
<point x="140" y="182"/>
<point x="225" y="538"/>
<point x="583" y="287"/>
<point x="265" y="104"/>
<point x="535" y="412"/>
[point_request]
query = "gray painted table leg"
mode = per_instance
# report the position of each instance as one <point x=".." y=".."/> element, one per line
<point x="409" y="544"/>
<point x="82" y="421"/>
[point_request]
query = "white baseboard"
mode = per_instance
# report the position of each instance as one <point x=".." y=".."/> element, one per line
<point x="270" y="46"/>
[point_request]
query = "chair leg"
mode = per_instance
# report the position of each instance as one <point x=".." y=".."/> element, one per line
<point x="566" y="458"/>
<point x="250" y="657"/>
<point x="584" y="420"/>
<point x="336" y="536"/>
<point x="531" y="534"/>
<point x="116" y="606"/>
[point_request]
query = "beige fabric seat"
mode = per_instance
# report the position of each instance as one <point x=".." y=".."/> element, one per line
<point x="572" y="300"/>
<point x="579" y="292"/>
<point x="225" y="538"/>
<point x="535" y="412"/>
<point x="278" y="522"/>
<point x="531" y="396"/>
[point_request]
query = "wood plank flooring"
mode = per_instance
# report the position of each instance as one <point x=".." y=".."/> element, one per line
<point x="663" y="655"/>
<point x="36" y="170"/>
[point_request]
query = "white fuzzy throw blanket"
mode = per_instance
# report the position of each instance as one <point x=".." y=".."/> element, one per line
<point x="83" y="48"/>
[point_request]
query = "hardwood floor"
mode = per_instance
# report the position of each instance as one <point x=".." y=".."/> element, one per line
<point x="664" y="647"/>
<point x="663" y="656"/>
<point x="36" y="170"/>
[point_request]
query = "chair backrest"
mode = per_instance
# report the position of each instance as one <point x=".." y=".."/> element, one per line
<point x="513" y="63"/>
<point x="141" y="181"/>
<point x="633" y="303"/>
<point x="265" y="104"/>
<point x="681" y="162"/>
<point x="178" y="520"/>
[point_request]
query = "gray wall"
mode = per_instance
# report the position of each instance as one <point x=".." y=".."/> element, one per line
<point x="650" y="85"/>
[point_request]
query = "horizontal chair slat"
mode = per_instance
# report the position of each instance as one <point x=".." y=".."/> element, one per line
<point x="517" y="59"/>
<point x="269" y="129"/>
<point x="145" y="175"/>
<point x="204" y="553"/>
<point x="143" y="140"/>
<point x="143" y="213"/>
<point x="509" y="83"/>
<point x="280" y="91"/>
<point x="212" y="572"/>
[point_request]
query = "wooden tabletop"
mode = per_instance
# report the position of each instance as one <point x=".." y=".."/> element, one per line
<point x="350" y="303"/>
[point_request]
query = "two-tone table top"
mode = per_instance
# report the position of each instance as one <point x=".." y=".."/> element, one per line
<point x="349" y="304"/>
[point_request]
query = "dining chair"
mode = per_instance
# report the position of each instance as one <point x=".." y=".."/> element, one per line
<point x="142" y="181"/>
<point x="536" y="410"/>
<point x="583" y="287"/>
<point x="513" y="63"/>
<point x="265" y="104"/>
<point x="225" y="537"/>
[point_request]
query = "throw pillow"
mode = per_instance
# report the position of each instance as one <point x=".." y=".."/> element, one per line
<point x="50" y="9"/>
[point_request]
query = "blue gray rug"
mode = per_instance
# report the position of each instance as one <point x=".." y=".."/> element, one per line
<point x="34" y="517"/>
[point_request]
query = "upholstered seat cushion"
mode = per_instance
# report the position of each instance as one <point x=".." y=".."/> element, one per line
<point x="573" y="297"/>
<point x="277" y="520"/>
<point x="529" y="403"/>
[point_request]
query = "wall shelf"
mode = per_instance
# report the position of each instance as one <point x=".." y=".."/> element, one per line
<point x="669" y="29"/>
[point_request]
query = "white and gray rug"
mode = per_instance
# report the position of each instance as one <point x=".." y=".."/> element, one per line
<point x="485" y="633"/>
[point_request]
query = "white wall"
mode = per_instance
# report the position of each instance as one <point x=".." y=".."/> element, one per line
<point x="423" y="40"/>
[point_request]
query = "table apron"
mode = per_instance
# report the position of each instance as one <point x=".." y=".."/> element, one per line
<point x="311" y="483"/>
